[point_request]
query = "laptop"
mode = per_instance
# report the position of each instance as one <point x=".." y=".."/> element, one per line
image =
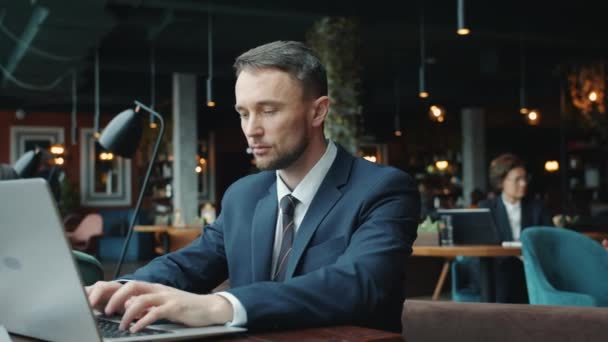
<point x="41" y="293"/>
<point x="472" y="226"/>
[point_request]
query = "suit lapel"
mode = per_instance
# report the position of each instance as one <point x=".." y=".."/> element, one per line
<point x="262" y="234"/>
<point x="322" y="203"/>
<point x="526" y="214"/>
<point x="502" y="220"/>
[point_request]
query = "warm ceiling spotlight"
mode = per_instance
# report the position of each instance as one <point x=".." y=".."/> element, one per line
<point x="524" y="110"/>
<point x="423" y="94"/>
<point x="533" y="117"/>
<point x="593" y="96"/>
<point x="551" y="165"/>
<point x="436" y="111"/>
<point x="463" y="31"/>
<point x="59" y="161"/>
<point x="57" y="149"/>
<point x="441" y="165"/>
<point x="398" y="133"/>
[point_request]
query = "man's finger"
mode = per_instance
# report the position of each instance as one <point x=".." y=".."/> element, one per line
<point x="132" y="288"/>
<point x="99" y="293"/>
<point x="138" y="307"/>
<point x="153" y="314"/>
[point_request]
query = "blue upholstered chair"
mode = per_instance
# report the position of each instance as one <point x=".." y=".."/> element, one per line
<point x="89" y="268"/>
<point x="465" y="285"/>
<point x="115" y="225"/>
<point x="564" y="267"/>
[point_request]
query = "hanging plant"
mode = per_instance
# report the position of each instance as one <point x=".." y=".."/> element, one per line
<point x="336" y="40"/>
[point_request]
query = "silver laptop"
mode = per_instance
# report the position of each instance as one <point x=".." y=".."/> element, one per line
<point x="41" y="293"/>
<point x="472" y="226"/>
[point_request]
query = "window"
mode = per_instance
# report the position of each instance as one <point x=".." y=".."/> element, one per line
<point x="105" y="179"/>
<point x="25" y="138"/>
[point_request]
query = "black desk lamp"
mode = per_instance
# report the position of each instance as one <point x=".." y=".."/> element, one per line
<point x="27" y="165"/>
<point x="121" y="137"/>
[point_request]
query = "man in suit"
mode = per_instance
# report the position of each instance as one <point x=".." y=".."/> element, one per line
<point x="317" y="238"/>
<point x="512" y="212"/>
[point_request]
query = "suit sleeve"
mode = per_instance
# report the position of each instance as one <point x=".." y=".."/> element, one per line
<point x="198" y="267"/>
<point x="363" y="281"/>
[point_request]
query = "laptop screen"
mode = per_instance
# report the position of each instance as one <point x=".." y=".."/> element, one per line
<point x="472" y="226"/>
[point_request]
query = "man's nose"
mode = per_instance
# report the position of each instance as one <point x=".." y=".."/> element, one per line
<point x="253" y="127"/>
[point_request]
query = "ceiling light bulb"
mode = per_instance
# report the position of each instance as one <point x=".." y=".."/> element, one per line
<point x="532" y="116"/>
<point x="524" y="110"/>
<point x="57" y="149"/>
<point x="423" y="94"/>
<point x="463" y="31"/>
<point x="551" y="165"/>
<point x="441" y="164"/>
<point x="593" y="96"/>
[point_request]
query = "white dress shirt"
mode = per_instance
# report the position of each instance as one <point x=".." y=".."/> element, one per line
<point x="514" y="215"/>
<point x="304" y="192"/>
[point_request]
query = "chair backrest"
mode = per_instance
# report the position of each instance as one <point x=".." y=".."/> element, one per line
<point x="564" y="260"/>
<point x="431" y="321"/>
<point x="90" y="269"/>
<point x="91" y="225"/>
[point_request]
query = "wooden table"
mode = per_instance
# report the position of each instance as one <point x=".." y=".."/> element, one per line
<point x="337" y="333"/>
<point x="172" y="237"/>
<point x="486" y="253"/>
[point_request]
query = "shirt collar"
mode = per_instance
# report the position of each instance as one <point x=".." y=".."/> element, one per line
<point x="508" y="204"/>
<point x="307" y="188"/>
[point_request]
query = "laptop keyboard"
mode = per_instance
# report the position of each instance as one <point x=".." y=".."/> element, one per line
<point x="109" y="329"/>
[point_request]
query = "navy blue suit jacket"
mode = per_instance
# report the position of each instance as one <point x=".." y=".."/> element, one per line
<point x="348" y="259"/>
<point x="533" y="213"/>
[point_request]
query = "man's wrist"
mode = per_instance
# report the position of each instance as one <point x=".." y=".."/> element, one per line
<point x="221" y="309"/>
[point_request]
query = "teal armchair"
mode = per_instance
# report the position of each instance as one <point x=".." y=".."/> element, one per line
<point x="465" y="282"/>
<point x="564" y="267"/>
<point x="90" y="269"/>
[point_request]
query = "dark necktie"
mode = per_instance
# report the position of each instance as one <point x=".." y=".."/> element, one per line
<point x="288" y="205"/>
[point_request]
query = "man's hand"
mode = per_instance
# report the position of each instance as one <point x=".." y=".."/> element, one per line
<point x="151" y="302"/>
<point x="101" y="292"/>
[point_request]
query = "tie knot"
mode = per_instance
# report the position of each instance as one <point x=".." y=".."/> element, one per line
<point x="288" y="204"/>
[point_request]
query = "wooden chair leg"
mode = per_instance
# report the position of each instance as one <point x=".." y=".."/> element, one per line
<point x="444" y="273"/>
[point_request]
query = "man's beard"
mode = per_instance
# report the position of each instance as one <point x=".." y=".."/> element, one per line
<point x="285" y="160"/>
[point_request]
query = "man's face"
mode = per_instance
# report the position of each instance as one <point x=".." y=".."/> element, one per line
<point x="275" y="116"/>
<point x="515" y="183"/>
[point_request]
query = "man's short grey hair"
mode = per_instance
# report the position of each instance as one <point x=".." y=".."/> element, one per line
<point x="295" y="58"/>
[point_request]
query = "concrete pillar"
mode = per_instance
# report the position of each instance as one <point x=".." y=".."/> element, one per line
<point x="185" y="145"/>
<point x="474" y="166"/>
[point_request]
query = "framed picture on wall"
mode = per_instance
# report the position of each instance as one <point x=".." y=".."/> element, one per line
<point x="26" y="138"/>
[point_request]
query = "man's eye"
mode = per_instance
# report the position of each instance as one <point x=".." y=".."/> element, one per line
<point x="269" y="111"/>
<point x="243" y="115"/>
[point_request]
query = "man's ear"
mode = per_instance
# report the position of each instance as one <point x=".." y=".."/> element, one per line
<point x="321" y="108"/>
